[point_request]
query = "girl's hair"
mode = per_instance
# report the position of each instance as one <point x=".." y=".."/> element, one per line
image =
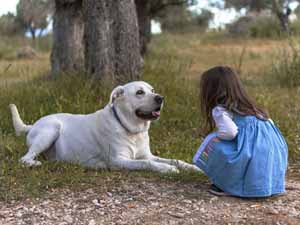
<point x="221" y="86"/>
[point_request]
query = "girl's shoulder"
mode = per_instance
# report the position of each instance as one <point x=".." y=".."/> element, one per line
<point x="220" y="110"/>
<point x="248" y="120"/>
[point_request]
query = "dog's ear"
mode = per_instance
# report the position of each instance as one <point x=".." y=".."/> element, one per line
<point x="116" y="93"/>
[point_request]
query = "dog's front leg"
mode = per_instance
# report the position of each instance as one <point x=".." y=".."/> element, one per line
<point x="131" y="164"/>
<point x="174" y="162"/>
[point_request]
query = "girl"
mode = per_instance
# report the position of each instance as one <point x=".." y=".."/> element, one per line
<point x="247" y="155"/>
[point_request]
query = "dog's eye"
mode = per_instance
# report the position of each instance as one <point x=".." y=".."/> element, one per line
<point x="140" y="92"/>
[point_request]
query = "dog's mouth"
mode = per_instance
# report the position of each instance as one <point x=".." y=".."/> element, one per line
<point x="148" y="115"/>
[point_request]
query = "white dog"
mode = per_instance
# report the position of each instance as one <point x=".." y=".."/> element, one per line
<point x="115" y="137"/>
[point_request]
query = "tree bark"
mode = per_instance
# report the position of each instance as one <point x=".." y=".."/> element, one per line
<point x="281" y="15"/>
<point x="284" y="22"/>
<point x="32" y="32"/>
<point x="68" y="27"/>
<point x="144" y="22"/>
<point x="111" y="39"/>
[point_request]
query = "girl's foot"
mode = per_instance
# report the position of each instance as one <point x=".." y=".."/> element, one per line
<point x="217" y="191"/>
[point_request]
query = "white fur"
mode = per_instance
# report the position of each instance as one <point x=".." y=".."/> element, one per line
<point x="99" y="140"/>
<point x="19" y="126"/>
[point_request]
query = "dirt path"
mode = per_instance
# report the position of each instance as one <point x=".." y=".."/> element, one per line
<point x="153" y="201"/>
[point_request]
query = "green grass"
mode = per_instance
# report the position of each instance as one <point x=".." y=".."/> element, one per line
<point x="172" y="67"/>
<point x="172" y="136"/>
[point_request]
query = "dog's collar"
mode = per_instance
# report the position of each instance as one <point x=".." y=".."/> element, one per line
<point x="118" y="119"/>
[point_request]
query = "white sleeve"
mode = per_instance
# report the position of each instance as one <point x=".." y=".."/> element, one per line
<point x="227" y="129"/>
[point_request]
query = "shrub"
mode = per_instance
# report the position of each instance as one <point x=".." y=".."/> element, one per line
<point x="285" y="70"/>
<point x="240" y="27"/>
<point x="295" y="28"/>
<point x="9" y="26"/>
<point x="256" y="27"/>
<point x="265" y="27"/>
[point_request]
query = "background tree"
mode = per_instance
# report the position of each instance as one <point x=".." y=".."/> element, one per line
<point x="176" y="19"/>
<point x="68" y="26"/>
<point x="180" y="19"/>
<point x="279" y="8"/>
<point x="282" y="11"/>
<point x="250" y="5"/>
<point x="297" y="11"/>
<point x="9" y="25"/>
<point x="104" y="36"/>
<point x="143" y="8"/>
<point x="111" y="38"/>
<point x="151" y="9"/>
<point x="202" y="20"/>
<point x="33" y="15"/>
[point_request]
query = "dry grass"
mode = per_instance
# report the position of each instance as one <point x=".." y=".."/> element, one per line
<point x="257" y="55"/>
<point x="24" y="69"/>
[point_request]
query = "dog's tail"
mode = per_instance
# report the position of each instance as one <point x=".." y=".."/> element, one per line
<point x="19" y="125"/>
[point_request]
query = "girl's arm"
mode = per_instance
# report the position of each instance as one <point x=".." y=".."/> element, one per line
<point x="227" y="129"/>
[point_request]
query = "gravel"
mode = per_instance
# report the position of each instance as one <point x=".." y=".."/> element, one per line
<point x="152" y="201"/>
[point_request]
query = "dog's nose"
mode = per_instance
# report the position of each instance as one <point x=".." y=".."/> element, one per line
<point x="159" y="99"/>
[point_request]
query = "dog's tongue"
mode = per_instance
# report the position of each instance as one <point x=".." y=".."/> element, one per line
<point x="156" y="113"/>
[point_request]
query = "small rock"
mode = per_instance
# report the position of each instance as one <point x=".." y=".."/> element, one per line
<point x="155" y="204"/>
<point x="255" y="206"/>
<point x="90" y="191"/>
<point x="177" y="215"/>
<point x="26" y="53"/>
<point x="273" y="212"/>
<point x="201" y="202"/>
<point x="213" y="199"/>
<point x="92" y="222"/>
<point x="19" y="214"/>
<point x="151" y="199"/>
<point x="187" y="201"/>
<point x="68" y="219"/>
<point x="131" y="206"/>
<point x="96" y="202"/>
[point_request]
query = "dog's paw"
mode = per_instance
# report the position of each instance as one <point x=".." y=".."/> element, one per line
<point x="30" y="162"/>
<point x="196" y="169"/>
<point x="169" y="169"/>
<point x="192" y="168"/>
<point x="186" y="166"/>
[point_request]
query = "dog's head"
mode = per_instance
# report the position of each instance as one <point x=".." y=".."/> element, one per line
<point x="137" y="103"/>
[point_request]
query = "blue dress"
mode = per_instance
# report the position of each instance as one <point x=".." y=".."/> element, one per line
<point x="253" y="164"/>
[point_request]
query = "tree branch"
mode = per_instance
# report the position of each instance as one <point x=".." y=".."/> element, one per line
<point x="160" y="5"/>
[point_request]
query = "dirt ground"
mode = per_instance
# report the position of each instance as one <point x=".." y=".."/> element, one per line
<point x="154" y="201"/>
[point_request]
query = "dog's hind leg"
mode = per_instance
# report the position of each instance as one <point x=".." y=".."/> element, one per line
<point x="41" y="142"/>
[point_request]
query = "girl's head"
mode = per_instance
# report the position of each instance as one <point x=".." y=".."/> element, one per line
<point x="220" y="85"/>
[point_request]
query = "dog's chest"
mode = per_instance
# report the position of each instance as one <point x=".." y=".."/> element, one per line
<point x="138" y="145"/>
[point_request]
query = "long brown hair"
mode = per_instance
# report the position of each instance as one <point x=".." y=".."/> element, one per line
<point x="220" y="85"/>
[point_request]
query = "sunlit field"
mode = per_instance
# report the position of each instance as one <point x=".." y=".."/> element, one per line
<point x="173" y="66"/>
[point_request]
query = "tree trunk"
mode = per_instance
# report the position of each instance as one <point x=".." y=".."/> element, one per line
<point x="41" y="32"/>
<point x="32" y="32"/>
<point x="111" y="39"/>
<point x="144" y="22"/>
<point x="284" y="22"/>
<point x="281" y="15"/>
<point x="68" y="27"/>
